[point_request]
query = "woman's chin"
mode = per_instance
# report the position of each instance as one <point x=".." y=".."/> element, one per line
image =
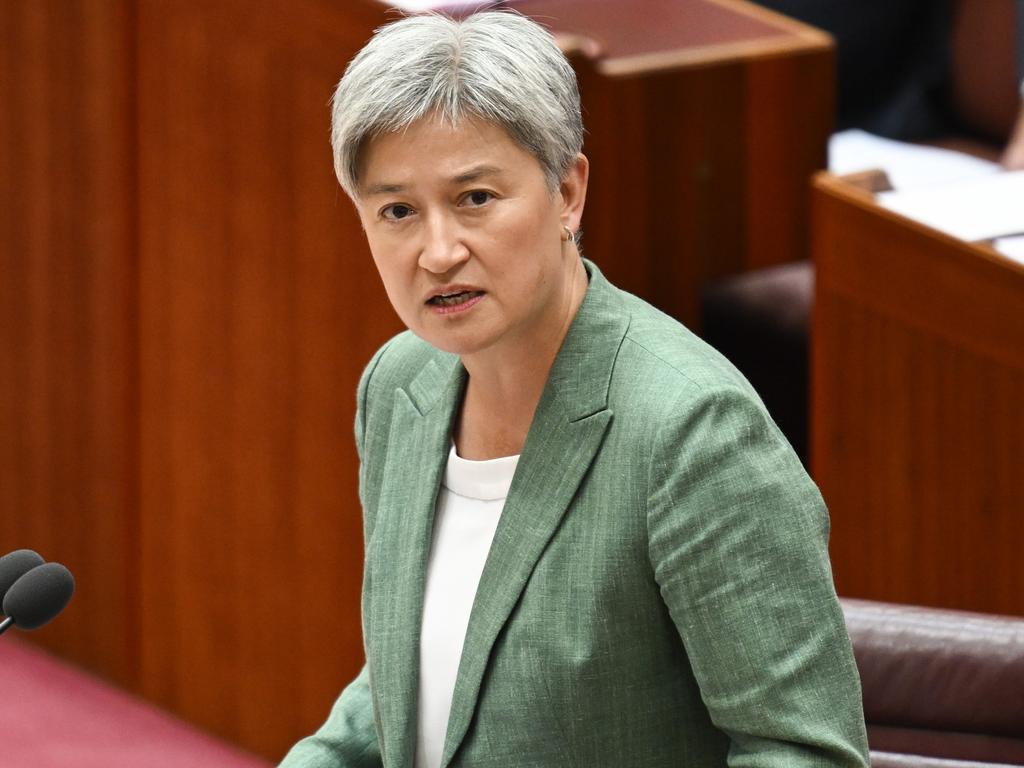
<point x="454" y="342"/>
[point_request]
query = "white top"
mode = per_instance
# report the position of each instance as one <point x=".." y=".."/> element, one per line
<point x="469" y="504"/>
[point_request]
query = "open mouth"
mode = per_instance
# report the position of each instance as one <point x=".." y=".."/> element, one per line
<point x="454" y="299"/>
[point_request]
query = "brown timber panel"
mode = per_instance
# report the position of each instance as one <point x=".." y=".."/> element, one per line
<point x="788" y="116"/>
<point x="700" y="150"/>
<point x="260" y="307"/>
<point x="654" y="180"/>
<point x="917" y="417"/>
<point x="67" y="312"/>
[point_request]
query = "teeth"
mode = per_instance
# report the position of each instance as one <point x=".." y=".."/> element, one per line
<point x="454" y="298"/>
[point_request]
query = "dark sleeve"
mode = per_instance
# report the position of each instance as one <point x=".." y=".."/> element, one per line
<point x="893" y="62"/>
<point x="1020" y="44"/>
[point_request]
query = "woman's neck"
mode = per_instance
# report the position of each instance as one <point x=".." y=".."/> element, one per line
<point x="503" y="390"/>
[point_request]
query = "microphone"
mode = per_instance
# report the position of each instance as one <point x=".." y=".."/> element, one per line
<point x="14" y="565"/>
<point x="38" y="596"/>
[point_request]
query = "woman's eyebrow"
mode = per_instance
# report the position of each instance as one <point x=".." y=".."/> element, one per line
<point x="382" y="189"/>
<point x="472" y="174"/>
<point x="477" y="172"/>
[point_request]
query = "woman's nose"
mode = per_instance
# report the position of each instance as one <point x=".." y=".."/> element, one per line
<point x="442" y="247"/>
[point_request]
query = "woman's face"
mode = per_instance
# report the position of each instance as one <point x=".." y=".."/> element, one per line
<point x="449" y="209"/>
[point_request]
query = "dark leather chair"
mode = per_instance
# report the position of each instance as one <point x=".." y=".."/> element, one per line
<point x="942" y="688"/>
<point x="760" y="321"/>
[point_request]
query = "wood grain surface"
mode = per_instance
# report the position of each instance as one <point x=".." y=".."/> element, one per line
<point x="68" y="340"/>
<point x="699" y="168"/>
<point x="260" y="306"/>
<point x="917" y="408"/>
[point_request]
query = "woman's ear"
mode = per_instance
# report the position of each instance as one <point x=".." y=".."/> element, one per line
<point x="573" y="191"/>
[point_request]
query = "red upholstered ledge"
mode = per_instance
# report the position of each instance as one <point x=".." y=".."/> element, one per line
<point x="53" y="715"/>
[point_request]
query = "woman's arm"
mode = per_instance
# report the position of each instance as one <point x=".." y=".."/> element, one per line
<point x="347" y="739"/>
<point x="738" y="539"/>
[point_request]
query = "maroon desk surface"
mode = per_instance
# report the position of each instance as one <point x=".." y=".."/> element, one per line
<point x="54" y="716"/>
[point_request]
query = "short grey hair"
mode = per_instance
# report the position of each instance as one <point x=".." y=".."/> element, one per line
<point x="498" y="66"/>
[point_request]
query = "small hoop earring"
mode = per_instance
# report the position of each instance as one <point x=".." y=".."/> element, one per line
<point x="568" y="235"/>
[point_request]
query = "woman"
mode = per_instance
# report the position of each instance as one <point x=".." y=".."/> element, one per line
<point x="586" y="542"/>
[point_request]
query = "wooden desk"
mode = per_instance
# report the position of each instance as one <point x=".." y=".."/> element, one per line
<point x="705" y="120"/>
<point x="917" y="422"/>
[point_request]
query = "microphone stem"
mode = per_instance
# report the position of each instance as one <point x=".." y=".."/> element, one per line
<point x="6" y="624"/>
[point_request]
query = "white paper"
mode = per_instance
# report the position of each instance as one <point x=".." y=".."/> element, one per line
<point x="907" y="165"/>
<point x="1012" y="247"/>
<point x="982" y="208"/>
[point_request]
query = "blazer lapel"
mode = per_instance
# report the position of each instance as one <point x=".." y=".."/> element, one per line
<point x="566" y="432"/>
<point x="417" y="450"/>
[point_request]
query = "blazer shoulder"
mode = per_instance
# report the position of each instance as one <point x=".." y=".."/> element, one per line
<point x="660" y="352"/>
<point x="396" y="363"/>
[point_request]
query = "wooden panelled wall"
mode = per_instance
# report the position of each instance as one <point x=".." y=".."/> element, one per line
<point x="702" y="172"/>
<point x="186" y="303"/>
<point x="68" y="339"/>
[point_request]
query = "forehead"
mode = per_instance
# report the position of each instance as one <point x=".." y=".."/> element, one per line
<point x="434" y="151"/>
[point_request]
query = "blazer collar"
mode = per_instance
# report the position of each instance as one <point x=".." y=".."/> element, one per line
<point x="567" y="428"/>
<point x="395" y="576"/>
<point x="582" y="370"/>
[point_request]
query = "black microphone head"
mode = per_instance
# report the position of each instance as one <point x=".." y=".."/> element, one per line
<point x="14" y="565"/>
<point x="38" y="596"/>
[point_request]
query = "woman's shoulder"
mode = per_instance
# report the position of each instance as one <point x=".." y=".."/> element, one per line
<point x="670" y="386"/>
<point x="399" y="361"/>
<point x="663" y="357"/>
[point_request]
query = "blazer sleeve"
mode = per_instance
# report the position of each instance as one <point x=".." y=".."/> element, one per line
<point x="348" y="738"/>
<point x="738" y="536"/>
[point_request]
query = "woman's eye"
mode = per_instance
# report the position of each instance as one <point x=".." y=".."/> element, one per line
<point x="478" y="197"/>
<point x="396" y="212"/>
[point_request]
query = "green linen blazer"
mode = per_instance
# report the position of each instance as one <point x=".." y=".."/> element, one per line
<point x="658" y="591"/>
